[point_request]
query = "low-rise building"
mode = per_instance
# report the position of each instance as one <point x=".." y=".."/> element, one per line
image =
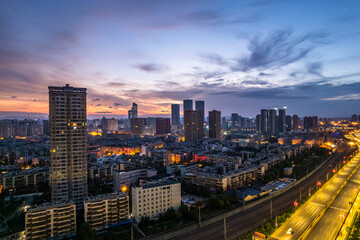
<point x="106" y="210"/>
<point x="129" y="178"/>
<point x="51" y="221"/>
<point x="153" y="198"/>
<point x="213" y="182"/>
<point x="27" y="178"/>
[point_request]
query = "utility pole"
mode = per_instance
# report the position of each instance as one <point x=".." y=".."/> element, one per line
<point x="225" y="238"/>
<point x="244" y="202"/>
<point x="132" y="232"/>
<point x="270" y="209"/>
<point x="199" y="218"/>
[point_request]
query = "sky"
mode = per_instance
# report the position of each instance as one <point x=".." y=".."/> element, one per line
<point x="237" y="56"/>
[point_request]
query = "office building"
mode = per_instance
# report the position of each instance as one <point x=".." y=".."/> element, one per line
<point x="68" y="143"/>
<point x="150" y="199"/>
<point x="215" y="124"/>
<point x="282" y="120"/>
<point x="175" y="114"/>
<point x="191" y="124"/>
<point x="188" y="105"/>
<point x="103" y="211"/>
<point x="200" y="107"/>
<point x="133" y="112"/>
<point x="51" y="221"/>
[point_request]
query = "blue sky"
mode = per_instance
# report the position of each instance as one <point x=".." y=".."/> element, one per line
<point x="238" y="56"/>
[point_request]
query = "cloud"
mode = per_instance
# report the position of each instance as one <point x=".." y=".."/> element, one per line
<point x="315" y="68"/>
<point x="104" y="112"/>
<point x="262" y="74"/>
<point x="117" y="104"/>
<point x="96" y="100"/>
<point x="97" y="105"/>
<point x="349" y="97"/>
<point x="278" y="49"/>
<point x="115" y="84"/>
<point x="151" y="68"/>
<point x="13" y="97"/>
<point x="214" y="58"/>
<point x="255" y="82"/>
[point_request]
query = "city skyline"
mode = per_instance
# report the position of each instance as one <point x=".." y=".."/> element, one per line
<point x="236" y="56"/>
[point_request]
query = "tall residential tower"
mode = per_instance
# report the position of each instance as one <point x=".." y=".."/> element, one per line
<point x="67" y="116"/>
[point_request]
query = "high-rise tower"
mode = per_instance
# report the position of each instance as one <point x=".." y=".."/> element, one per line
<point x="200" y="107"/>
<point x="188" y="105"/>
<point x="67" y="116"/>
<point x="282" y="120"/>
<point x="215" y="124"/>
<point x="175" y="114"/>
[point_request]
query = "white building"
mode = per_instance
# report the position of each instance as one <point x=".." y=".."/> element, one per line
<point x="152" y="198"/>
<point x="129" y="178"/>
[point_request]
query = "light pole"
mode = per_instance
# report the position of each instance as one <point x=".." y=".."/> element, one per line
<point x="225" y="237"/>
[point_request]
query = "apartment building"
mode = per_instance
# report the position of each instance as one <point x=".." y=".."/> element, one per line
<point x="106" y="210"/>
<point x="129" y="178"/>
<point x="211" y="181"/>
<point x="155" y="197"/>
<point x="25" y="179"/>
<point x="67" y="116"/>
<point x="51" y="221"/>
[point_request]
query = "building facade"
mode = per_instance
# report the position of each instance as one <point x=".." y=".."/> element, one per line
<point x="215" y="124"/>
<point x="67" y="115"/>
<point x="106" y="210"/>
<point x="175" y="114"/>
<point x="52" y="221"/>
<point x="200" y="108"/>
<point x="152" y="198"/>
<point x="188" y="105"/>
<point x="191" y="125"/>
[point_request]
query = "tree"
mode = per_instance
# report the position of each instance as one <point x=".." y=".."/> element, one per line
<point x="85" y="232"/>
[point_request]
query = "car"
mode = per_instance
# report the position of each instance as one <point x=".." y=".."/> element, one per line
<point x="290" y="231"/>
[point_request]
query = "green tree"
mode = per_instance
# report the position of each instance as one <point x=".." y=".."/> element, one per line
<point x="86" y="232"/>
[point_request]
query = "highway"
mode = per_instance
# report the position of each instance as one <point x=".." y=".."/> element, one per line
<point x="242" y="223"/>
<point x="331" y="220"/>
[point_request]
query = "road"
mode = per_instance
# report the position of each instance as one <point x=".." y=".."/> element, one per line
<point x="307" y="213"/>
<point x="331" y="220"/>
<point x="242" y="223"/>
